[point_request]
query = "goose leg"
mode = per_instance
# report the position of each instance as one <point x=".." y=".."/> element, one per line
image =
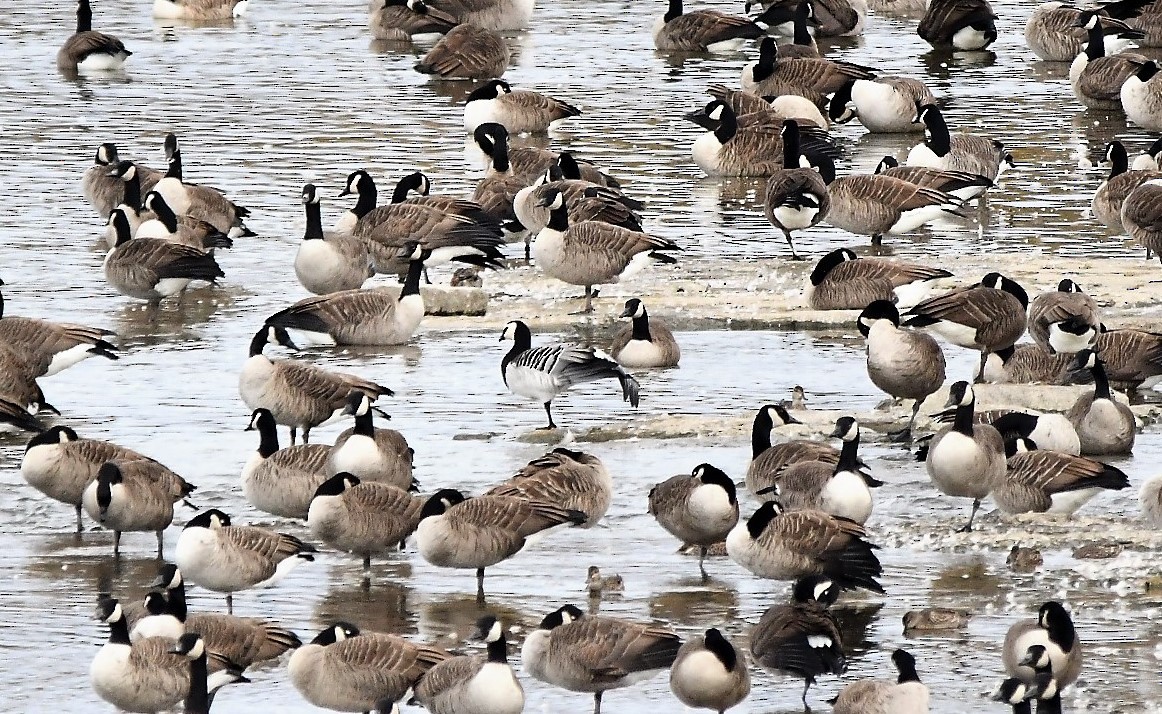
<point x="904" y="436"/>
<point x="549" y="411"/>
<point x="294" y="434"/>
<point x="877" y="240"/>
<point x="979" y="378"/>
<point x="306" y="434"/>
<point x="367" y="565"/>
<point x="589" y="294"/>
<point x="806" y="686"/>
<point x="159" y="545"/>
<point x="968" y="527"/>
<point x="528" y="249"/>
<point x="230" y="603"/>
<point x="702" y="557"/>
<point x="116" y="544"/>
<point x="791" y="244"/>
<point x="597" y="703"/>
<point x="480" y="585"/>
<point x="79" y="527"/>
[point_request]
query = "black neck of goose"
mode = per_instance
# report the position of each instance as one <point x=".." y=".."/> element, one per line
<point x="848" y="456"/>
<point x="498" y="650"/>
<point x="314" y="229"/>
<point x="791" y="146"/>
<point x="1" y="305"/>
<point x="175" y="603"/>
<point x="267" y="438"/>
<point x="119" y="632"/>
<point x="500" y="162"/>
<point x="907" y="673"/>
<point x="727" y="126"/>
<point x="1119" y="161"/>
<point x="641" y="327"/>
<point x="364" y="426"/>
<point x="802" y="34"/>
<point x="1063" y="635"/>
<point x="963" y="420"/>
<point x="1049" y="706"/>
<point x="198" y="700"/>
<point x="937" y="137"/>
<point x="368" y="195"/>
<point x="400" y="193"/>
<point x="257" y="343"/>
<point x="559" y="219"/>
<point x="84" y="17"/>
<point x="768" y="58"/>
<point x="166" y="215"/>
<point x="675" y="10"/>
<point x="760" y="434"/>
<point x="411" y="282"/>
<point x="1097" y="46"/>
<point x="521" y="343"/>
<point x="175" y="166"/>
<point x="1023" y="708"/>
<point x="132" y="195"/>
<point x="1101" y="382"/>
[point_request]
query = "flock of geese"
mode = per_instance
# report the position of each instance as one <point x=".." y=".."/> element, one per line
<point x="359" y="495"/>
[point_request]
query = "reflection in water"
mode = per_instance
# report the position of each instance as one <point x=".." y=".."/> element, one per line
<point x="382" y="605"/>
<point x="144" y="324"/>
<point x="703" y="603"/>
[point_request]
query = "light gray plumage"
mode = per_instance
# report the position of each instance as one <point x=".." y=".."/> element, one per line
<point x="907" y="695"/>
<point x="568" y="478"/>
<point x="128" y="496"/>
<point x="466" y="52"/>
<point x="151" y="268"/>
<point x="282" y="481"/>
<point x="875" y="205"/>
<point x="198" y="10"/>
<point x="907" y="364"/>
<point x="493" y="15"/>
<point x="202" y="202"/>
<point x="372" y="453"/>
<point x="327" y="263"/>
<point x="843" y="280"/>
<point x="710" y="673"/>
<point x="1150" y="498"/>
<point x="1142" y="215"/>
<point x="644" y="343"/>
<point x="362" y="517"/>
<point x="971" y="153"/>
<point x="1104" y="425"/>
<point x="400" y="20"/>
<point x="474" y="684"/>
<point x="699" y="508"/>
<point x="1040" y="481"/>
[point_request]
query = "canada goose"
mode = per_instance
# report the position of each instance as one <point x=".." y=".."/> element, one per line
<point x="772" y="72"/>
<point x="710" y="673"/>
<point x="1053" y="630"/>
<point x="281" y="481"/>
<point x="125" y="497"/>
<point x="126" y="173"/>
<point x="593" y="653"/>
<point x="1019" y="695"/>
<point x="935" y="619"/>
<point x="875" y="205"/>
<point x="157" y="622"/>
<point x="18" y="383"/>
<point x="787" y="106"/>
<point x="99" y="187"/>
<point x="1041" y="481"/>
<point x="964" y="459"/>
<point x="907" y="364"/>
<point x="199" y="9"/>
<point x="372" y="454"/>
<point x="495" y="15"/>
<point x="702" y="30"/>
<point x="1050" y="432"/>
<point x="801" y="638"/>
<point x="348" y="670"/>
<point x="1104" y="425"/>
<point x="50" y="347"/>
<point x="543" y="373"/>
<point x="165" y="225"/>
<point x="1026" y="364"/>
<point x="89" y="50"/>
<point x="153" y="269"/>
<point x="1049" y="309"/>
<point x="376" y="316"/>
<point x="585" y="200"/>
<point x="832" y="18"/>
<point x="1112" y="193"/>
<point x="989" y="315"/>
<point x="15" y="417"/>
<point x="787" y="545"/>
<point x="748" y="145"/>
<point x="597" y="584"/>
<point x="416" y="182"/>
<point x="530" y="162"/>
<point x="362" y="517"/>
<point x="700" y="508"/>
<point x="1097" y="77"/>
<point x="886" y="104"/>
<point x="570" y="479"/>
<point x="474" y="684"/>
<point x="298" y="395"/>
<point x="460" y="532"/>
<point x="801" y="17"/>
<point x="224" y="558"/>
<point x="768" y="460"/>
<point x="202" y="202"/>
<point x="796" y="197"/>
<point x="329" y="263"/>
<point x="839" y="489"/>
<point x="497" y="191"/>
<point x="1150" y="498"/>
<point x="1149" y="159"/>
<point x="402" y="20"/>
<point x="1142" y="216"/>
<point x="971" y="153"/>
<point x="643" y="344"/>
<point x="1141" y="96"/>
<point x="520" y="111"/>
<point x="843" y="280"/>
<point x="907" y="695"/>
<point x="1052" y="31"/>
<point x="958" y="24"/>
<point x="961" y="184"/>
<point x="1131" y="359"/>
<point x="466" y="52"/>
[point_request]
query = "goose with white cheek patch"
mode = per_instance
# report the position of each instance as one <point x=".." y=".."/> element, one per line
<point x="371" y="453"/>
<point x="1018" y="694"/>
<point x="747" y="145"/>
<point x="329" y="263"/>
<point x="788" y="545"/>
<point x="644" y="344"/>
<point x="496" y="193"/>
<point x="419" y="184"/>
<point x="1142" y="216"/>
<point x="962" y="184"/>
<point x="151" y="268"/>
<point x="474" y="684"/>
<point x="476" y="533"/>
<point x="51" y="347"/>
<point x="907" y="364"/>
<point x="202" y="202"/>
<point x="1049" y="310"/>
<point x="968" y="25"/>
<point x="88" y="50"/>
<point x="971" y="153"/>
<point x="568" y="478"/>
<point x="964" y="459"/>
<point x="1053" y="34"/>
<point x="1131" y="359"/>
<point x="362" y="517"/>
<point x="768" y="460"/>
<point x="466" y="52"/>
<point x="594" y="653"/>
<point x="796" y="197"/>
<point x="700" y="508"/>
<point x="1053" y="629"/>
<point x="843" y="280"/>
<point x="543" y="373"/>
<point x="801" y="638"/>
<point x="1096" y="76"/>
<point x="1038" y="481"/>
<point x="765" y="75"/>
<point x="281" y="481"/>
<point x="831" y="18"/>
<point x="1027" y="364"/>
<point x="907" y="695"/>
<point x="520" y="111"/>
<point x="405" y="20"/>
<point x="1121" y="181"/>
<point x="1141" y="96"/>
<point x="884" y="105"/>
<point x="703" y="30"/>
<point x="225" y="558"/>
<point x="787" y="106"/>
<point x="199" y="10"/>
<point x="587" y="201"/>
<point x="129" y="497"/>
<point x="1104" y="425"/>
<point x="167" y="225"/>
<point x="158" y="621"/>
<point x="1050" y="432"/>
<point x="710" y="673"/>
<point x="103" y="185"/>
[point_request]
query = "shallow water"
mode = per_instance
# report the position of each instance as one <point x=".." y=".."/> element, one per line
<point x="297" y="92"/>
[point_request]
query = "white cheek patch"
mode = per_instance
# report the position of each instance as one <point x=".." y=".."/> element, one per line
<point x="820" y="642"/>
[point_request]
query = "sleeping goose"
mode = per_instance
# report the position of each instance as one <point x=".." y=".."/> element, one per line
<point x="529" y="162"/>
<point x="1141" y="95"/>
<point x="1121" y="181"/>
<point x="971" y="153"/>
<point x="225" y="558"/>
<point x="543" y="373"/>
<point x="568" y="478"/>
<point x="750" y="145"/>
<point x="403" y="20"/>
<point x="1131" y="359"/>
<point x="128" y="496"/>
<point x="771" y="73"/>
<point x="702" y="30"/>
<point x="961" y="184"/>
<point x="958" y="24"/>
<point x="644" y="344"/>
<point x="1027" y="364"/>
<point x="907" y="695"/>
<point x="843" y="280"/>
<point x="202" y="202"/>
<point x="329" y="263"/>
<point x="495" y="15"/>
<point x="1097" y="77"/>
<point x="1104" y="425"/>
<point x="362" y="517"/>
<point x="586" y="201"/>
<point x="1053" y="34"/>
<point x="886" y="104"/>
<point x="1039" y="481"/>
<point x="876" y="205"/>
<point x="373" y="454"/>
<point x="840" y="489"/>
<point x="50" y="347"/>
<point x="199" y="10"/>
<point x="281" y="481"/>
<point x="1142" y="216"/>
<point x="796" y="197"/>
<point x="1049" y="310"/>
<point x="699" y="508"/>
<point x="298" y="395"/>
<point x="832" y="18"/>
<point x="186" y="230"/>
<point x="466" y="52"/>
<point x="474" y="684"/>
<point x="1053" y="629"/>
<point x="88" y="50"/>
<point x="907" y="364"/>
<point x="710" y="672"/>
<point x="101" y="189"/>
<point x="520" y="111"/>
<point x="787" y="106"/>
<point x="151" y="268"/>
<point x="768" y="460"/>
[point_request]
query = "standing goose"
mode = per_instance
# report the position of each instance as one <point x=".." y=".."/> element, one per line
<point x="225" y="558"/>
<point x="1053" y="630"/>
<point x="1104" y="425"/>
<point x="329" y="263"/>
<point x="298" y="395"/>
<point x="1052" y="31"/>
<point x="958" y="24"/>
<point x="375" y="316"/>
<point x="402" y="20"/>
<point x="1049" y="310"/>
<point x="88" y="50"/>
<point x="352" y="671"/>
<point x="1141" y="96"/>
<point x="642" y="344"/>
<point x="520" y="111"/>
<point x="1097" y="77"/>
<point x="841" y="489"/>
<point x="700" y="508"/>
<point x="1142" y="216"/>
<point x="748" y="147"/>
<point x="796" y="197"/>
<point x="710" y="673"/>
<point x="1121" y="182"/>
<point x="702" y="30"/>
<point x="964" y="459"/>
<point x="153" y="269"/>
<point x="1038" y="481"/>
<point x="362" y="517"/>
<point x="875" y="205"/>
<point x="801" y="638"/>
<point x="790" y="545"/>
<point x="543" y="373"/>
<point x="281" y="481"/>
<point x="128" y="178"/>
<point x="907" y="364"/>
<point x="885" y="105"/>
<point x="843" y="280"/>
<point x="466" y="52"/>
<point x="1027" y="364"/>
<point x="907" y="695"/>
<point x="186" y="230"/>
<point x="157" y="622"/>
<point x="372" y="454"/>
<point x="202" y="202"/>
<point x="961" y="184"/>
<point x="593" y="653"/>
<point x="971" y="153"/>
<point x="460" y="532"/>
<point x="768" y="460"/>
<point x="772" y="72"/>
<point x="50" y="347"/>
<point x="570" y="479"/>
<point x="128" y="497"/>
<point x="474" y="684"/>
<point x="199" y="10"/>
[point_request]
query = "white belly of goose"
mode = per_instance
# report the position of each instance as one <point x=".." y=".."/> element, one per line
<point x="711" y="507"/>
<point x="359" y="455"/>
<point x="102" y="62"/>
<point x="969" y="38"/>
<point x="956" y="466"/>
<point x="640" y="354"/>
<point x="913" y="293"/>
<point x="112" y="679"/>
<point x="956" y="333"/>
<point x="731" y="45"/>
<point x="495" y="690"/>
<point x="923" y="155"/>
<point x="881" y="108"/>
<point x="253" y="380"/>
<point x="166" y="626"/>
<point x="846" y="494"/>
<point x="794" y="219"/>
<point x="743" y="550"/>
<point x="705" y="153"/>
<point x="703" y="673"/>
<point x="310" y="338"/>
<point x="1054" y="432"/>
<point x="39" y="469"/>
<point x="548" y="250"/>
<point x="916" y="217"/>
<point x="1066" y="502"/>
<point x="67" y="358"/>
<point x="533" y="652"/>
<point x="481" y="111"/>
